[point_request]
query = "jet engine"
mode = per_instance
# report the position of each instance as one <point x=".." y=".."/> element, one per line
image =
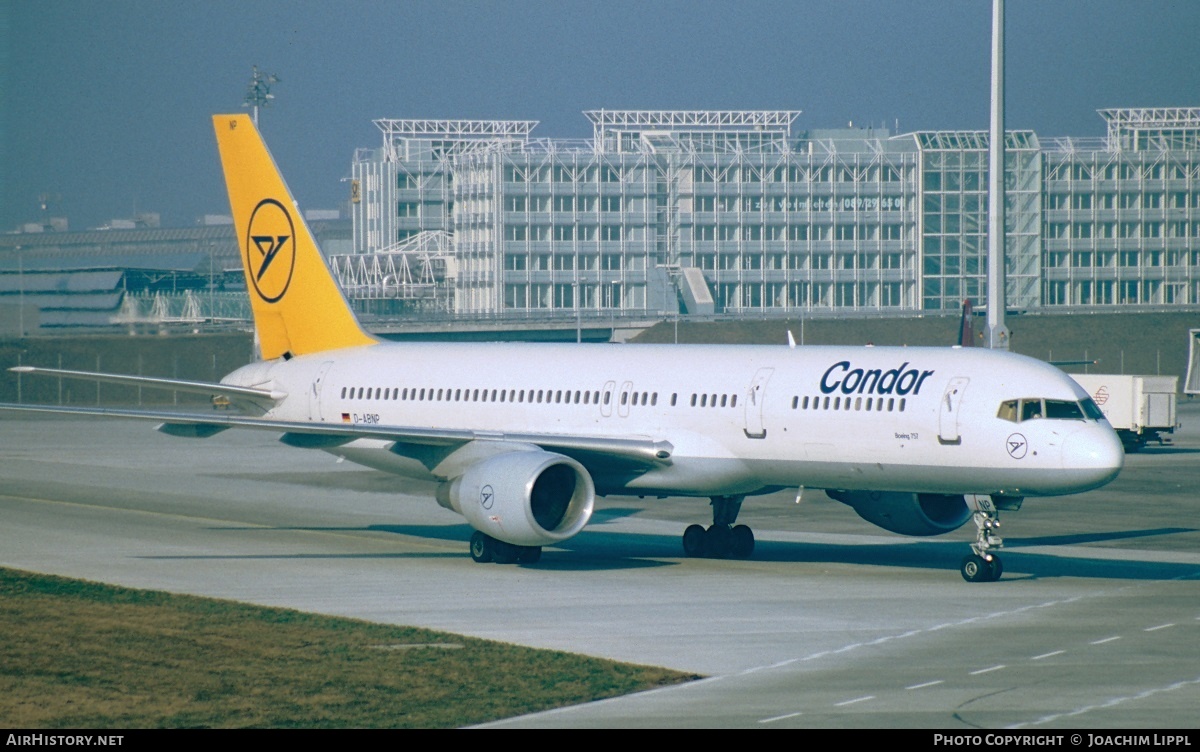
<point x="527" y="498"/>
<point x="907" y="513"/>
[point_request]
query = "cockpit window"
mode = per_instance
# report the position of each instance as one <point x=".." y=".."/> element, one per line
<point x="1032" y="408"/>
<point x="1063" y="410"/>
<point x="1010" y="410"/>
<point x="1091" y="409"/>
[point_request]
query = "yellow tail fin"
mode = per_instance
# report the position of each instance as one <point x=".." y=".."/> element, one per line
<point x="298" y="307"/>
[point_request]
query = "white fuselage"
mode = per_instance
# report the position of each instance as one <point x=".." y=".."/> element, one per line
<point x="738" y="419"/>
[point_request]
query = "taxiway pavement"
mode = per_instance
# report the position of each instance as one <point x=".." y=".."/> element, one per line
<point x="832" y="623"/>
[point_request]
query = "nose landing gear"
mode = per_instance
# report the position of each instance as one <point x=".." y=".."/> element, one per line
<point x="983" y="565"/>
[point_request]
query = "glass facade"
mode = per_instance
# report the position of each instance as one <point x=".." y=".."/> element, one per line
<point x="954" y="218"/>
<point x="778" y="221"/>
<point x="1122" y="218"/>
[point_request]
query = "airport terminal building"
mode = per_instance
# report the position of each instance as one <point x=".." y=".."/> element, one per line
<point x="740" y="212"/>
<point x="660" y="213"/>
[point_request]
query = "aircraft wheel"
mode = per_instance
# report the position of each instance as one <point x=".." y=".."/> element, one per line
<point x="529" y="555"/>
<point x="718" y="540"/>
<point x="505" y="553"/>
<point x="693" y="541"/>
<point x="481" y="547"/>
<point x="975" y="569"/>
<point x="741" y="542"/>
<point x="995" y="569"/>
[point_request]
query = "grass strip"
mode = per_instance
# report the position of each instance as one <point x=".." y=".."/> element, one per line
<point x="78" y="654"/>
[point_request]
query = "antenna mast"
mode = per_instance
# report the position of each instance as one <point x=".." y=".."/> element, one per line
<point x="258" y="92"/>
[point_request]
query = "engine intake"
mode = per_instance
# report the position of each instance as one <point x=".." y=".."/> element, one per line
<point x="531" y="498"/>
<point x="907" y="513"/>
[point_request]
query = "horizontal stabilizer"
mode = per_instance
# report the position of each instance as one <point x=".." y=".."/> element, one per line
<point x="175" y="385"/>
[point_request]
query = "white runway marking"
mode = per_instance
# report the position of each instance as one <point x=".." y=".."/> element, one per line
<point x="1113" y="702"/>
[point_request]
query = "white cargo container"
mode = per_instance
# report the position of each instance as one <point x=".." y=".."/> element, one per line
<point x="1141" y="408"/>
<point x="1191" y="383"/>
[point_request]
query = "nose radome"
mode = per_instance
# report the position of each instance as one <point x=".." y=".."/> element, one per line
<point x="1094" y="455"/>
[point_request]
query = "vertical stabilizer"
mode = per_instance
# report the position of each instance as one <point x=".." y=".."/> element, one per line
<point x="298" y="307"/>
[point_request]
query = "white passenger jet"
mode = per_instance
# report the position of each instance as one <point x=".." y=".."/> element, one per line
<point x="524" y="437"/>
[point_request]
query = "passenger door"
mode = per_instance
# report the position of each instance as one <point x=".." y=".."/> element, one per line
<point x="754" y="404"/>
<point x="606" y="396"/>
<point x="948" y="411"/>
<point x="623" y="404"/>
<point x="314" y="394"/>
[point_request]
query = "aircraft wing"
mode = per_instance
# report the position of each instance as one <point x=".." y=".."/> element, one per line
<point x="633" y="453"/>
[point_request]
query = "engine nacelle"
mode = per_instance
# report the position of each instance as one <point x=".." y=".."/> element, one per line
<point x="527" y="498"/>
<point x="907" y="513"/>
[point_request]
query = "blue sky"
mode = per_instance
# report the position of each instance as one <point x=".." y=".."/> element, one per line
<point x="107" y="105"/>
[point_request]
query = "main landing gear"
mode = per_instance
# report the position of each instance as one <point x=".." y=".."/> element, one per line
<point x="485" y="548"/>
<point x="722" y="539"/>
<point x="983" y="565"/>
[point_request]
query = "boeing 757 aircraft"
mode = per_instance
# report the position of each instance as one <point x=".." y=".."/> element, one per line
<point x="524" y="437"/>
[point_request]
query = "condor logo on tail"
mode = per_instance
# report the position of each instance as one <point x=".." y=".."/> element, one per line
<point x="270" y="249"/>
